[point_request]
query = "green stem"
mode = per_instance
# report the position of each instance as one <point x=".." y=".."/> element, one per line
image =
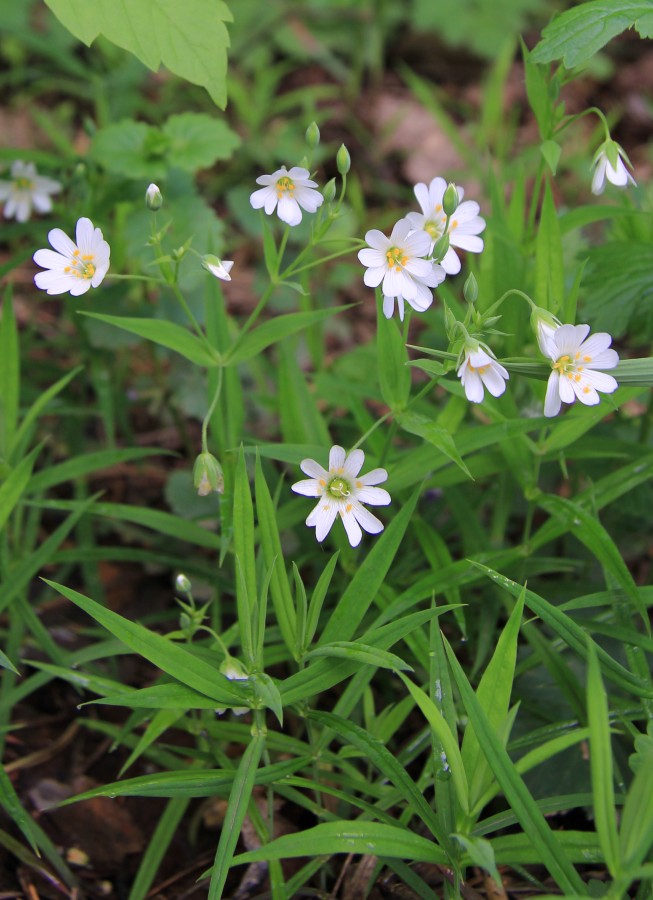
<point x="152" y="279"/>
<point x="294" y="269"/>
<point x="207" y="417"/>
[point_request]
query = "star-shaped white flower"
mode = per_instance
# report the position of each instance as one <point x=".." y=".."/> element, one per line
<point x="398" y="262"/>
<point x="575" y="357"/>
<point x="464" y="226"/>
<point x="342" y="492"/>
<point x="609" y="163"/>
<point x="287" y="191"/>
<point x="25" y="191"/>
<point x="73" y="267"/>
<point x="480" y="369"/>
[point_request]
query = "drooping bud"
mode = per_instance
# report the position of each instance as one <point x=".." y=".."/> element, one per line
<point x="470" y="289"/>
<point x="182" y="584"/>
<point x="208" y="475"/>
<point x="313" y="135"/>
<point x="153" y="198"/>
<point x="220" y="268"/>
<point x="234" y="671"/>
<point x="329" y="190"/>
<point x="544" y="324"/>
<point x="450" y="199"/>
<point x="343" y="160"/>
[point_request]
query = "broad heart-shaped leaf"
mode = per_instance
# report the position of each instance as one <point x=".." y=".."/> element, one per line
<point x="189" y="37"/>
<point x="197" y="141"/>
<point x="167" y="334"/>
<point x="577" y="34"/>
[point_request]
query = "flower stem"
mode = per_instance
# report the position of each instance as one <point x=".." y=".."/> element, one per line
<point x="207" y="417"/>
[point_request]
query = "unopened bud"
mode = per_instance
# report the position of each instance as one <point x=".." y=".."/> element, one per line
<point x="207" y="475"/>
<point x="470" y="289"/>
<point x="182" y="584"/>
<point x="234" y="671"/>
<point x="450" y="200"/>
<point x="218" y="267"/>
<point x="153" y="198"/>
<point x="545" y="325"/>
<point x="343" y="160"/>
<point x="329" y="190"/>
<point x="313" y="135"/>
<point x="441" y="247"/>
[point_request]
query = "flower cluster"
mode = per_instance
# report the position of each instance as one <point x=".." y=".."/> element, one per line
<point x="403" y="264"/>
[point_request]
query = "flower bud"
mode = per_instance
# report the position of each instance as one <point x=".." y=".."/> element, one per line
<point x="153" y="198"/>
<point x="207" y="475"/>
<point x="182" y="584"/>
<point x="544" y="324"/>
<point x="218" y="267"/>
<point x="441" y="247"/>
<point x="343" y="160"/>
<point x="470" y="289"/>
<point x="313" y="135"/>
<point x="234" y="671"/>
<point x="329" y="190"/>
<point x="450" y="200"/>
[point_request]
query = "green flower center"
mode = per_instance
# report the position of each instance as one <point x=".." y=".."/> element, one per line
<point x="285" y="185"/>
<point x="23" y="184"/>
<point x="396" y="258"/>
<point x="338" y="488"/>
<point x="435" y="229"/>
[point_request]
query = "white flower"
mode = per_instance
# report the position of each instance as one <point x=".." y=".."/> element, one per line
<point x="342" y="492"/>
<point x="608" y="163"/>
<point x="25" y="191"/>
<point x="287" y="191"/>
<point x="464" y="226"/>
<point x="480" y="368"/>
<point x="218" y="267"/>
<point x="74" y="267"/>
<point x="574" y="360"/>
<point x="398" y="262"/>
<point x="153" y="198"/>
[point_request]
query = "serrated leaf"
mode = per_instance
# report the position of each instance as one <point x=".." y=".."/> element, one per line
<point x="577" y="34"/>
<point x="197" y="141"/>
<point x="189" y="38"/>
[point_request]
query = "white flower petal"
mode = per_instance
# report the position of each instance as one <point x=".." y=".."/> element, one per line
<point x="552" y="401"/>
<point x="309" y="487"/>
<point x="373" y="495"/>
<point x="353" y="463"/>
<point x="314" y="469"/>
<point x="366" y="519"/>
<point x="337" y="458"/>
<point x="325" y="517"/>
<point x="288" y="210"/>
<point x="61" y="242"/>
<point x="352" y="527"/>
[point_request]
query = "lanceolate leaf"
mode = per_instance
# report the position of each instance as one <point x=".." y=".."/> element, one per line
<point x="190" y="38"/>
<point x="276" y="330"/>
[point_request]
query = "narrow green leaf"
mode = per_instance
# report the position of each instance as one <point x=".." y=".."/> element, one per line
<point x="369" y="577"/>
<point x="273" y="555"/>
<point x="239" y="798"/>
<point x="601" y="764"/>
<point x="493" y="693"/>
<point x="362" y="653"/>
<point x="171" y="658"/>
<point x="166" y="828"/>
<point x="394" y="374"/>
<point x="274" y="330"/>
<point x="571" y="633"/>
<point x="39" y="406"/>
<point x="9" y="374"/>
<point x="14" y="485"/>
<point x="164" y="333"/>
<point x="549" y="276"/>
<point x="85" y="463"/>
<point x="317" y="598"/>
<point x="6" y="663"/>
<point x="481" y="854"/>
<point x="14" y="808"/>
<point x="636" y="834"/>
<point x="448" y="741"/>
<point x="245" y="554"/>
<point x="439" y="437"/>
<point x="522" y="803"/>
<point x="267" y="692"/>
<point x="161" y="721"/>
<point x="366" y="838"/>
